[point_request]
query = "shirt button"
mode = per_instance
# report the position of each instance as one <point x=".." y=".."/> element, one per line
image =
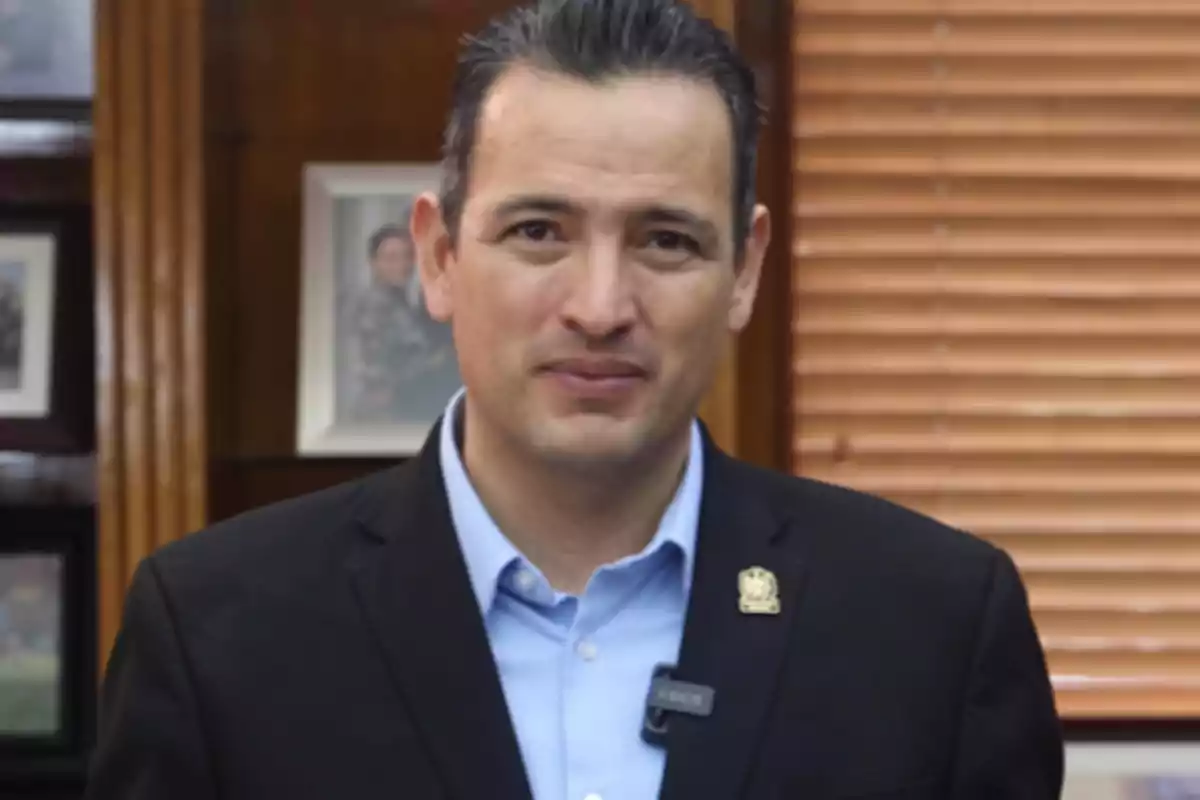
<point x="587" y="651"/>
<point x="525" y="580"/>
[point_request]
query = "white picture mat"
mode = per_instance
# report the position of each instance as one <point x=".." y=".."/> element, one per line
<point x="36" y="252"/>
<point x="1131" y="771"/>
<point x="316" y="430"/>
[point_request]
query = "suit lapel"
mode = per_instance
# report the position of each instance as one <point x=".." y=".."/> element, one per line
<point x="739" y="654"/>
<point x="412" y="585"/>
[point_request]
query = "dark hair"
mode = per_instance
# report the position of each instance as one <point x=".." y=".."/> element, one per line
<point x="595" y="40"/>
<point x="382" y="234"/>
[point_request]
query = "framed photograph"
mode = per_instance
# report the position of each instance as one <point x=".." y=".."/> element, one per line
<point x="47" y="641"/>
<point x="375" y="369"/>
<point x="47" y="374"/>
<point x="46" y="50"/>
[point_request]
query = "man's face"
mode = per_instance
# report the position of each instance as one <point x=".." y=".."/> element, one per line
<point x="393" y="261"/>
<point x="593" y="286"/>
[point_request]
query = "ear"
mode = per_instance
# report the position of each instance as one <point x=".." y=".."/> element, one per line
<point x="745" y="286"/>
<point x="435" y="255"/>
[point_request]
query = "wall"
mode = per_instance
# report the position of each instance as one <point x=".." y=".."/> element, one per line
<point x="45" y="174"/>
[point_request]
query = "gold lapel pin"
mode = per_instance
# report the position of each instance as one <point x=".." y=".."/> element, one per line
<point x="758" y="591"/>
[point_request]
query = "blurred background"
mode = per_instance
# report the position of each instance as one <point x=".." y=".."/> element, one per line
<point x="983" y="301"/>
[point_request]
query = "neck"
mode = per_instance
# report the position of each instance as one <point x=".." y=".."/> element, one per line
<point x="570" y="522"/>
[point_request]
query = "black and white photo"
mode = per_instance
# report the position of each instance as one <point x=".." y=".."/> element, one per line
<point x="375" y="368"/>
<point x="27" y="285"/>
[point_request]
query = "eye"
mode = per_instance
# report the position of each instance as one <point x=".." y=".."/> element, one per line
<point x="672" y="242"/>
<point x="534" y="230"/>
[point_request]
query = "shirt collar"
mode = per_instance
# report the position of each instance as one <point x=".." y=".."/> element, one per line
<point x="488" y="552"/>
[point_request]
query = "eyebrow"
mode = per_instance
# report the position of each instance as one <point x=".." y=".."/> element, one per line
<point x="550" y="204"/>
<point x="544" y="203"/>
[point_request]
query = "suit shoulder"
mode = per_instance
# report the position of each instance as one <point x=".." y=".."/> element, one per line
<point x="282" y="532"/>
<point x="861" y="519"/>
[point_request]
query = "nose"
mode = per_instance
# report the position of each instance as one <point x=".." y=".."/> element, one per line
<point x="600" y="304"/>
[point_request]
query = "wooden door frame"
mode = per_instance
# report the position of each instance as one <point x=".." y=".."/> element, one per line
<point x="748" y="409"/>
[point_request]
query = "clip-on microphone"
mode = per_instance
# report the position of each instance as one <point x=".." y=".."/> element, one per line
<point x="667" y="696"/>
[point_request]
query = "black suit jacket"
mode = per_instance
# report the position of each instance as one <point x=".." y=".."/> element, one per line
<point x="330" y="647"/>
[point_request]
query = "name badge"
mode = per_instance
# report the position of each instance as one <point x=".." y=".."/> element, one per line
<point x="681" y="697"/>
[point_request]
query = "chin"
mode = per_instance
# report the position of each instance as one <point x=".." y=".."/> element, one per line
<point x="588" y="439"/>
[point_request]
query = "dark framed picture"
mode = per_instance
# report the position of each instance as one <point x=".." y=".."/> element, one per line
<point x="47" y="641"/>
<point x="376" y="369"/>
<point x="47" y="374"/>
<point x="46" y="49"/>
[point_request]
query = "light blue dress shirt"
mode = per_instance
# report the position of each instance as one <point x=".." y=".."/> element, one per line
<point x="575" y="669"/>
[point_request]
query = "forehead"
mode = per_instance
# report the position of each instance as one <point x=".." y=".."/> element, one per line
<point x="393" y="242"/>
<point x="635" y="139"/>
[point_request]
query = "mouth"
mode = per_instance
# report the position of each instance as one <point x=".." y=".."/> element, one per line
<point x="596" y="378"/>
<point x="596" y="368"/>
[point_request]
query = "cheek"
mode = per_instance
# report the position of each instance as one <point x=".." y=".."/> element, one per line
<point x="499" y="308"/>
<point x="689" y="318"/>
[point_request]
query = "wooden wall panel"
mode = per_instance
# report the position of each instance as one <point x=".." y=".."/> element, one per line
<point x="151" y="453"/>
<point x="762" y="382"/>
<point x="110" y="473"/>
<point x="137" y="379"/>
<point x="748" y="410"/>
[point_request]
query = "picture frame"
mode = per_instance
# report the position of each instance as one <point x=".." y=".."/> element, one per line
<point x="375" y="370"/>
<point x="48" y="660"/>
<point x="47" y="368"/>
<point x="47" y="56"/>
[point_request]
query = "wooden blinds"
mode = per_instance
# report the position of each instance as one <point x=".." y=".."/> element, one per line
<point x="997" y="304"/>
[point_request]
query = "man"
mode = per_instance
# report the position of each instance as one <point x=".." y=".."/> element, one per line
<point x="399" y="361"/>
<point x="485" y="621"/>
